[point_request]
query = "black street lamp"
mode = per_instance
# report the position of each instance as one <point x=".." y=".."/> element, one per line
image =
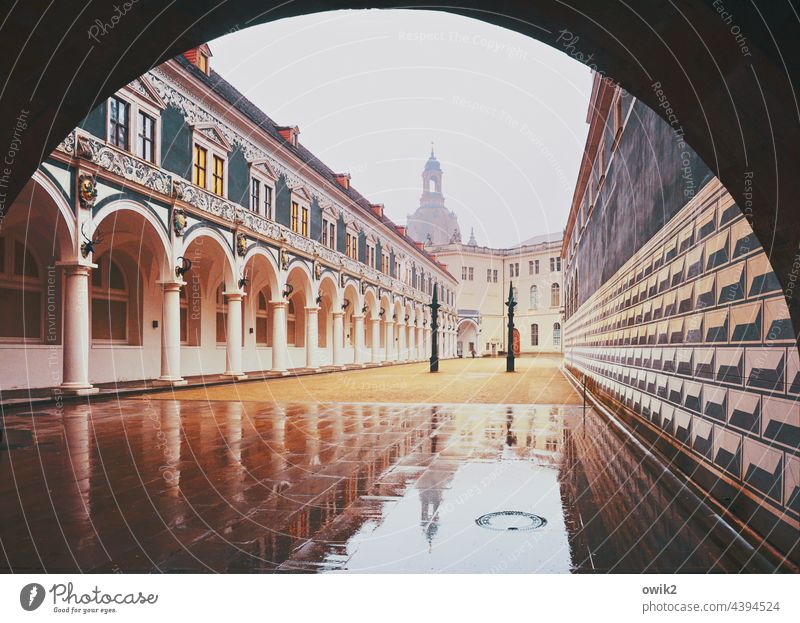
<point x="511" y="304"/>
<point x="434" y="305"/>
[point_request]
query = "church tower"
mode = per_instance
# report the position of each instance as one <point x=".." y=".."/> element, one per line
<point x="433" y="223"/>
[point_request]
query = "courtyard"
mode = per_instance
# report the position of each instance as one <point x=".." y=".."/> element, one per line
<point x="386" y="469"/>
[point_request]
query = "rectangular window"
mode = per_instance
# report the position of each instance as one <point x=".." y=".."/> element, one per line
<point x="471" y="273"/>
<point x="146" y="146"/>
<point x="255" y="195"/>
<point x="371" y="256"/>
<point x="332" y="235"/>
<point x="218" y="186"/>
<point x="267" y="201"/>
<point x="555" y="264"/>
<point x="488" y="275"/>
<point x="494" y="276"/>
<point x="200" y="163"/>
<point x="202" y="62"/>
<point x="324" y="232"/>
<point x="530" y="267"/>
<point x="118" y="122"/>
<point x="534" y="335"/>
<point x="463" y="273"/>
<point x="536" y="267"/>
<point x="295" y="220"/>
<point x="304" y="222"/>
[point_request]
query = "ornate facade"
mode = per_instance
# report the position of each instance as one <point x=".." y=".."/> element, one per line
<point x="179" y="231"/>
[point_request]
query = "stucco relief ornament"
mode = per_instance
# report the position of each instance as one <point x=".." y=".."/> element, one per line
<point x="241" y="245"/>
<point x="87" y="190"/>
<point x="83" y="148"/>
<point x="178" y="189"/>
<point x="178" y="221"/>
<point x="284" y="259"/>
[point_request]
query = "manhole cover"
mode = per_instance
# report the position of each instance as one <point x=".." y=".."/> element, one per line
<point x="510" y="521"/>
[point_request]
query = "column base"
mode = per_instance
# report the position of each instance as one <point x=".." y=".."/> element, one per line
<point x="235" y="376"/>
<point x="170" y="382"/>
<point x="76" y="389"/>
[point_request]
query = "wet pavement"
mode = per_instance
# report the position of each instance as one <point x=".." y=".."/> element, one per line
<point x="177" y="486"/>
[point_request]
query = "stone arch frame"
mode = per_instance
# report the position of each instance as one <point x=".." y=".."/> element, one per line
<point x="229" y="270"/>
<point x="55" y="192"/>
<point x="138" y="276"/>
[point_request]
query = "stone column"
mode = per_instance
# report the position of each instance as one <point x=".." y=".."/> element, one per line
<point x="75" y="361"/>
<point x="376" y="340"/>
<point x="402" y="355"/>
<point x="358" y="339"/>
<point x="412" y="350"/>
<point x="338" y="337"/>
<point x="420" y="343"/>
<point x="171" y="334"/>
<point x="389" y="337"/>
<point x="234" y="336"/>
<point x="279" y="346"/>
<point x="312" y="341"/>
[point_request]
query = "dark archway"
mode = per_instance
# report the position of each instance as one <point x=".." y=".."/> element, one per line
<point x="728" y="78"/>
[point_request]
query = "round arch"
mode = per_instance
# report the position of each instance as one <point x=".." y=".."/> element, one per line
<point x="270" y="276"/>
<point x="229" y="270"/>
<point x="327" y="286"/>
<point x="54" y="192"/>
<point x="126" y="205"/>
<point x="731" y="121"/>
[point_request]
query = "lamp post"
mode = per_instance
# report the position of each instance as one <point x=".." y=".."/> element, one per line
<point x="434" y="305"/>
<point x="511" y="304"/>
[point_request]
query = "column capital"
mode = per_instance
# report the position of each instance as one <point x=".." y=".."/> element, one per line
<point x="312" y="308"/>
<point x="234" y="296"/>
<point x="168" y="286"/>
<point x="337" y="313"/>
<point x="279" y="303"/>
<point x="76" y="268"/>
<point x="358" y="316"/>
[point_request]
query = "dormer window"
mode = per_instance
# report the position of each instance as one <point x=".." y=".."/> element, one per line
<point x="202" y="62"/>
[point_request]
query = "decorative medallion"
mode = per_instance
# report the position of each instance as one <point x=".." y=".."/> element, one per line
<point x="241" y="244"/>
<point x="87" y="190"/>
<point x="178" y="221"/>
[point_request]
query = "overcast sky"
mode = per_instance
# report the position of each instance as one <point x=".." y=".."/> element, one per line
<point x="370" y="90"/>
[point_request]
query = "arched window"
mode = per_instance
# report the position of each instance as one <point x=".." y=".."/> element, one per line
<point x="222" y="310"/>
<point x="534" y="334"/>
<point x="534" y="302"/>
<point x="262" y="324"/>
<point x="557" y="334"/>
<point x="190" y="313"/>
<point x="20" y="292"/>
<point x="555" y="295"/>
<point x="109" y="302"/>
<point x="291" y="323"/>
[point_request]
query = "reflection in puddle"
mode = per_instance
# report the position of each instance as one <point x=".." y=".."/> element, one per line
<point x="193" y="486"/>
